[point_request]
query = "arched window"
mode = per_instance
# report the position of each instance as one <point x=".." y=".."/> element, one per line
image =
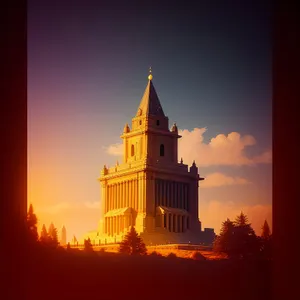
<point x="162" y="150"/>
<point x="157" y="122"/>
<point x="132" y="150"/>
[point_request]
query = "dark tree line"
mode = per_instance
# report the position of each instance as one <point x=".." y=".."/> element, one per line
<point x="238" y="240"/>
<point x="47" y="238"/>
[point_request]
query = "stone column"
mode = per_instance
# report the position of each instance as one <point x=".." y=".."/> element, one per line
<point x="117" y="195"/>
<point x="107" y="199"/>
<point x="130" y="193"/>
<point x="127" y="193"/>
<point x="174" y="217"/>
<point x="136" y="194"/>
<point x="112" y="197"/>
<point x="171" y="194"/>
<point x="110" y="225"/>
<point x="171" y="222"/>
<point x="118" y="225"/>
<point x="133" y="193"/>
<point x="179" y="195"/>
<point x="167" y="193"/>
<point x="122" y="223"/>
<point x="122" y="195"/>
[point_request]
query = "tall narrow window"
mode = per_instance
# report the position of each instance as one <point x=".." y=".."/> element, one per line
<point x="162" y="150"/>
<point x="132" y="150"/>
<point x="157" y="122"/>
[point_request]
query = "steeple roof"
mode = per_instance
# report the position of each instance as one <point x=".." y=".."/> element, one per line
<point x="150" y="104"/>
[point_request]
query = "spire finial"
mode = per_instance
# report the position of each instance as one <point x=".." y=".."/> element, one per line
<point x="150" y="74"/>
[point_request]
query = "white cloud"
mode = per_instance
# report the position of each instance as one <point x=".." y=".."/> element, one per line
<point x="223" y="149"/>
<point x="220" y="150"/>
<point x="219" y="179"/>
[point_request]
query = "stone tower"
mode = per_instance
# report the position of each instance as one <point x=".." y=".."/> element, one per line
<point x="150" y="189"/>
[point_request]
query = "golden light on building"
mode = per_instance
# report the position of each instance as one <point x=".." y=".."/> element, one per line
<point x="150" y="189"/>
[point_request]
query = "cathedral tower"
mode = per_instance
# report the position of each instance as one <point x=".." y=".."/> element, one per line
<point x="150" y="189"/>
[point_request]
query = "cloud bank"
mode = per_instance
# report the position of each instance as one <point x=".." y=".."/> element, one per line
<point x="219" y="179"/>
<point x="226" y="150"/>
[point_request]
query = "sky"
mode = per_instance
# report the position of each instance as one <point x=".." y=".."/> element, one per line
<point x="88" y="64"/>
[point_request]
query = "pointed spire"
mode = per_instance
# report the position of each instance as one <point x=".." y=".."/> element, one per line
<point x="150" y="104"/>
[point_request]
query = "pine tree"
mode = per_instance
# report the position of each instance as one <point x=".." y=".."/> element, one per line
<point x="266" y="241"/>
<point x="32" y="224"/>
<point x="53" y="239"/>
<point x="44" y="237"/>
<point x="266" y="232"/>
<point x="245" y="240"/>
<point x="133" y="244"/>
<point x="225" y="241"/>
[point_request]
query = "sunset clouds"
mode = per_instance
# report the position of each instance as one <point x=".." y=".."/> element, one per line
<point x="226" y="150"/>
<point x="223" y="150"/>
<point x="219" y="179"/>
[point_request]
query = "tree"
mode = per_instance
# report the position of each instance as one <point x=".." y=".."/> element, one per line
<point x="237" y="239"/>
<point x="52" y="233"/>
<point x="44" y="237"/>
<point x="225" y="241"/>
<point x="133" y="244"/>
<point x="266" y="241"/>
<point x="245" y="240"/>
<point x="32" y="224"/>
<point x="88" y="245"/>
<point x="266" y="232"/>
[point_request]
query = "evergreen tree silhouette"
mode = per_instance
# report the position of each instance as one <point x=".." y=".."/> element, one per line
<point x="44" y="237"/>
<point x="245" y="240"/>
<point x="133" y="244"/>
<point x="225" y="241"/>
<point x="266" y="232"/>
<point x="32" y="224"/>
<point x="266" y="241"/>
<point x="53" y="239"/>
<point x="88" y="245"/>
